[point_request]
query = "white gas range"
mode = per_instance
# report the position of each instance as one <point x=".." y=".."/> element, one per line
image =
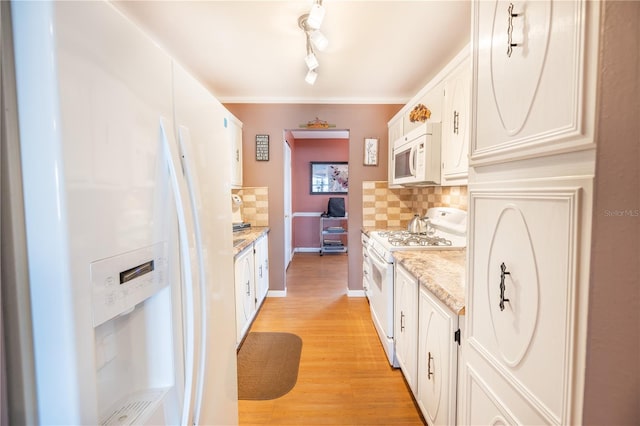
<point x="446" y="231"/>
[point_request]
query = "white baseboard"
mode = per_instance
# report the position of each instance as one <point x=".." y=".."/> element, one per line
<point x="356" y="293"/>
<point x="277" y="293"/>
<point x="307" y="250"/>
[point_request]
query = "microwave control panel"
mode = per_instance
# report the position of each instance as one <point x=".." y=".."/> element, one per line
<point x="420" y="158"/>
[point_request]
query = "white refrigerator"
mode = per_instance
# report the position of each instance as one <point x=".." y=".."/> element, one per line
<point x="119" y="270"/>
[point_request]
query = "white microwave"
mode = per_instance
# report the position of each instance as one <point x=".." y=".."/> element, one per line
<point x="416" y="157"/>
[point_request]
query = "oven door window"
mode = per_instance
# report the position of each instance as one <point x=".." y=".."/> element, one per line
<point x="379" y="270"/>
<point x="378" y="276"/>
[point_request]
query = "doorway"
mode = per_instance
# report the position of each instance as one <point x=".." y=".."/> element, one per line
<point x="303" y="207"/>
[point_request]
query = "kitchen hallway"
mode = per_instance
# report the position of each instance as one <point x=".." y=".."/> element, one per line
<point x="344" y="377"/>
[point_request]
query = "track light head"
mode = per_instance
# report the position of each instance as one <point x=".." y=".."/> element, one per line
<point x="311" y="61"/>
<point x="311" y="77"/>
<point x="319" y="40"/>
<point x="316" y="15"/>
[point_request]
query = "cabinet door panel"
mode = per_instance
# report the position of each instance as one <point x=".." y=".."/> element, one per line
<point x="245" y="292"/>
<point x="261" y="269"/>
<point x="492" y="401"/>
<point x="529" y="78"/>
<point x="523" y="284"/>
<point x="234" y="131"/>
<point x="455" y="126"/>
<point x="437" y="361"/>
<point x="406" y="325"/>
<point x="485" y="407"/>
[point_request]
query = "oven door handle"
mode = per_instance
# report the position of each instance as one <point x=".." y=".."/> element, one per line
<point x="375" y="258"/>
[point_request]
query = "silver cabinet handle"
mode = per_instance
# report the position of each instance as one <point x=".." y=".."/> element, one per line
<point x="510" y="43"/>
<point x="401" y="321"/>
<point x="456" y="118"/>
<point x="429" y="372"/>
<point x="503" y="274"/>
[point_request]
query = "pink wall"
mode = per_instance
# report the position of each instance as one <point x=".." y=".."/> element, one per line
<point x="363" y="121"/>
<point x="612" y="378"/>
<point x="306" y="229"/>
<point x="308" y="150"/>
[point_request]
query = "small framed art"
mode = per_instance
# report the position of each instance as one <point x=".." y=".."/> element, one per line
<point x="370" y="152"/>
<point x="262" y="147"/>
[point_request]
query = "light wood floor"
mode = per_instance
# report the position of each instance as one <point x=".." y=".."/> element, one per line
<point x="344" y="377"/>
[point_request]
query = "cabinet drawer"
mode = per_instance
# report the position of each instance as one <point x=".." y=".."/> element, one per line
<point x="523" y="274"/>
<point x="531" y="98"/>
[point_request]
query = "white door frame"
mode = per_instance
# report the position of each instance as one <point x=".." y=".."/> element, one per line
<point x="287" y="206"/>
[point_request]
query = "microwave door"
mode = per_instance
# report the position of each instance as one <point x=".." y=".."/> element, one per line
<point x="402" y="164"/>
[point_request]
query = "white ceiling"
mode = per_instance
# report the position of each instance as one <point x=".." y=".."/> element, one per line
<point x="253" y="51"/>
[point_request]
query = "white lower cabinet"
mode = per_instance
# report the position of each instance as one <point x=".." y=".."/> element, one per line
<point x="251" y="282"/>
<point x="406" y="325"/>
<point x="437" y="360"/>
<point x="261" y="263"/>
<point x="245" y="291"/>
<point x="425" y="333"/>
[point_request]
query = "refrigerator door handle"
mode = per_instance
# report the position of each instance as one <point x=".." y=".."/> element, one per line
<point x="185" y="256"/>
<point x="184" y="142"/>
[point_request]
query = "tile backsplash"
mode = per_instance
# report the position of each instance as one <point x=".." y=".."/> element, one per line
<point x="255" y="205"/>
<point x="384" y="207"/>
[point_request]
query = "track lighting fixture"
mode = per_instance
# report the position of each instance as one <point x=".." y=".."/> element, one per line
<point x="310" y="24"/>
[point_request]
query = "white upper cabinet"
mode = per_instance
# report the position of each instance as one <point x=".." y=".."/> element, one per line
<point x="432" y="96"/>
<point x="234" y="130"/>
<point x="395" y="132"/>
<point x="455" y="126"/>
<point x="530" y="81"/>
<point x="448" y="97"/>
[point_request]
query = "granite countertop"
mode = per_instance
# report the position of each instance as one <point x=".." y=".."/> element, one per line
<point x="244" y="238"/>
<point x="442" y="272"/>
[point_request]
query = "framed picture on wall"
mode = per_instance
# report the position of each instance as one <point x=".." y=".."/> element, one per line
<point x="370" y="152"/>
<point x="262" y="147"/>
<point x="329" y="177"/>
